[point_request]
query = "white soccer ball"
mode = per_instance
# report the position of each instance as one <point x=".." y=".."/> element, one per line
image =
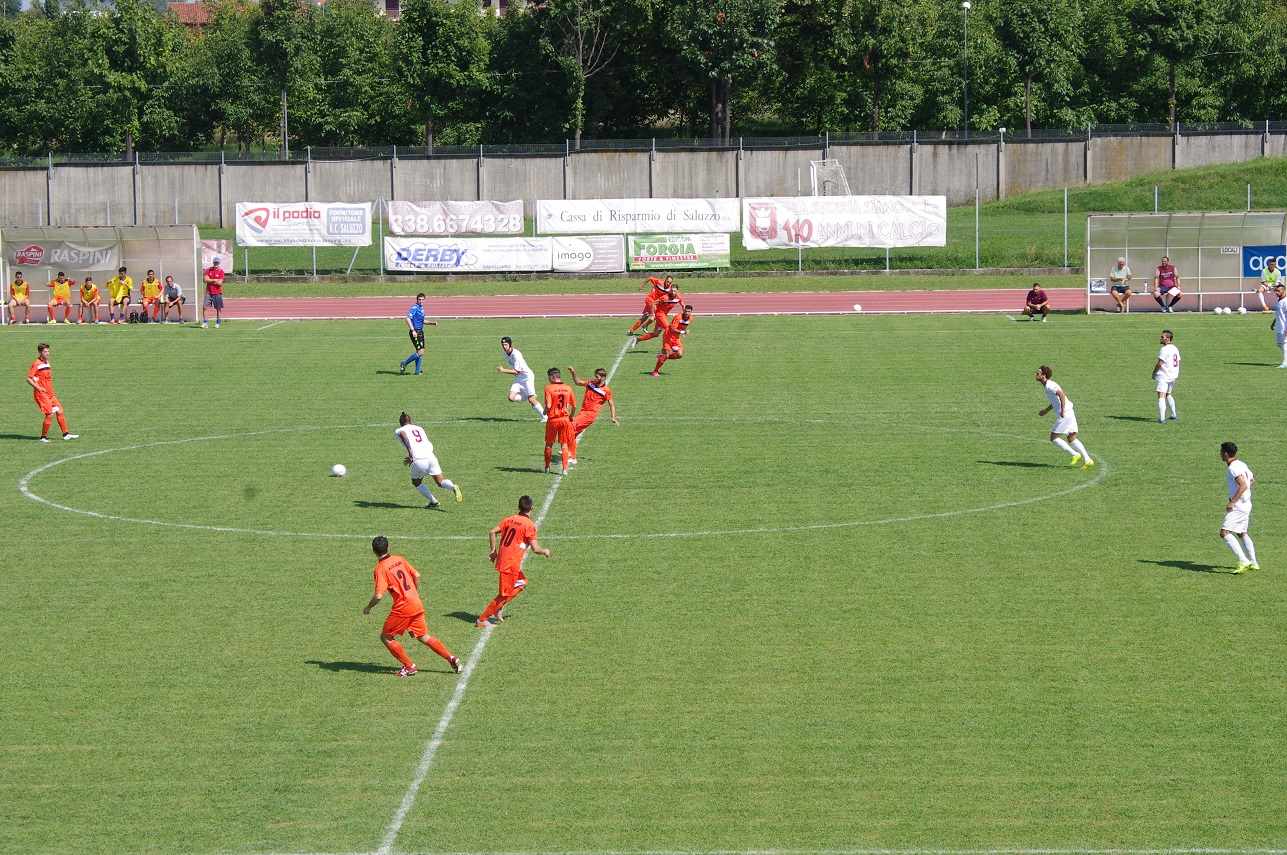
<point x="1228" y="311"/>
<point x="1242" y="310"/>
<point x="857" y="307"/>
<point x="338" y="470"/>
<point x="1219" y="310"/>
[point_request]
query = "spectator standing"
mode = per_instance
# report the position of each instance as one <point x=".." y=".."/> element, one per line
<point x="213" y="279"/>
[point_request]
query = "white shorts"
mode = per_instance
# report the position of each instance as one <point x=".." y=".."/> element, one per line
<point x="524" y="387"/>
<point x="1237" y="520"/>
<point x="423" y="466"/>
<point x="1067" y="424"/>
<point x="1165" y="386"/>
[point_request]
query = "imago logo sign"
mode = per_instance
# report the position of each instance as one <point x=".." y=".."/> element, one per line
<point x="33" y="254"/>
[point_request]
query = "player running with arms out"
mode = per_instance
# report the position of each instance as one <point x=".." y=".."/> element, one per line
<point x="416" y="329"/>
<point x="394" y="574"/>
<point x="656" y="287"/>
<point x="1166" y="372"/>
<point x="60" y="295"/>
<point x="90" y="300"/>
<point x="509" y="540"/>
<point x="596" y="395"/>
<point x="1237" y="517"/>
<point x="38" y="377"/>
<point x="1065" y="419"/>
<point x="421" y="459"/>
<point x="672" y="343"/>
<point x="524" y="385"/>
<point x="560" y="403"/>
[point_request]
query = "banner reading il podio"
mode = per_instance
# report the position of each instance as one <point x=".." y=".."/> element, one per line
<point x="304" y="224"/>
<point x="466" y="255"/>
<point x="594" y="254"/>
<point x="870" y="221"/>
<point x="635" y="216"/>
<point x="679" y="252"/>
<point x="455" y="218"/>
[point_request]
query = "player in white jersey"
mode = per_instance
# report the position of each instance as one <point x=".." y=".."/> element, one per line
<point x="524" y="386"/>
<point x="1237" y="518"/>
<point x="1166" y="372"/>
<point x="421" y="459"/>
<point x="1279" y="323"/>
<point x="1065" y="420"/>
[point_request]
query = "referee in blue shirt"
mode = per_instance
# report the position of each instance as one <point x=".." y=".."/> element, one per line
<point x="416" y="329"/>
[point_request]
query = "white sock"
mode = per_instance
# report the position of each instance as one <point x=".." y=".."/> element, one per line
<point x="447" y="485"/>
<point x="1249" y="547"/>
<point x="1059" y="443"/>
<point x="1170" y="400"/>
<point x="1081" y="449"/>
<point x="1261" y="295"/>
<point x="424" y="491"/>
<point x="1237" y="550"/>
<point x="540" y="411"/>
<point x="1161" y="409"/>
<point x="1285" y="354"/>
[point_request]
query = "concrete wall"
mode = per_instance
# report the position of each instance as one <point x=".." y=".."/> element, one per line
<point x="1217" y="148"/>
<point x="102" y="194"/>
<point x="875" y="169"/>
<point x="22" y="197"/>
<point x="948" y="169"/>
<point x="506" y="179"/>
<point x="1119" y="158"/>
<point x="347" y="180"/>
<point x="453" y="178"/>
<point x="1043" y="166"/>
<point x="777" y="172"/>
<point x="609" y="175"/>
<point x="194" y="185"/>
<point x="260" y="182"/>
<point x="681" y="174"/>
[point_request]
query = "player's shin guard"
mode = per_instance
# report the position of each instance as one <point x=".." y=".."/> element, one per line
<point x="1063" y="446"/>
<point x="1170" y="402"/>
<point x="438" y="647"/>
<point x="1249" y="548"/>
<point x="44" y="431"/>
<point x="1237" y="548"/>
<point x="62" y="421"/>
<point x="661" y="360"/>
<point x="540" y="411"/>
<point x="398" y="653"/>
<point x="1080" y="449"/>
<point x="1161" y="409"/>
<point x="423" y="489"/>
<point x="563" y="455"/>
<point x="419" y="359"/>
<point x="549" y="455"/>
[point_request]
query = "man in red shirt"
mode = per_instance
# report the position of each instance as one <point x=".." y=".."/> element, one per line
<point x="43" y="385"/>
<point x="1037" y="302"/>
<point x="510" y="539"/>
<point x="213" y="277"/>
<point x="394" y="574"/>
<point x="596" y="395"/>
<point x="560" y="403"/>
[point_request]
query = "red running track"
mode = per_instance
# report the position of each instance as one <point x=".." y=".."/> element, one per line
<point x="630" y="305"/>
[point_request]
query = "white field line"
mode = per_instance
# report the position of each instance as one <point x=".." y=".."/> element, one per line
<point x="1051" y="851"/>
<point x="444" y="722"/>
<point x="266" y="326"/>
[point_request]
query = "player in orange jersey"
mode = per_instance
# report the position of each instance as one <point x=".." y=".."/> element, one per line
<point x="656" y="287"/>
<point x="596" y="395"/>
<point x="395" y="574"/>
<point x="510" y="540"/>
<point x="672" y="344"/>
<point x="90" y="300"/>
<point x="664" y="305"/>
<point x="560" y="404"/>
<point x="43" y="384"/>
<point x="60" y="294"/>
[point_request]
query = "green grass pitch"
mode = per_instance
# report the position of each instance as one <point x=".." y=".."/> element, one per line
<point x="827" y="587"/>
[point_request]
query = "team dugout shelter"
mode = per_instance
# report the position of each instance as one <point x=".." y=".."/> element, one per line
<point x="41" y="251"/>
<point x="1219" y="255"/>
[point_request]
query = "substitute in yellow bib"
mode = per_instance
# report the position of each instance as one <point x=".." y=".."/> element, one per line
<point x="150" y="295"/>
<point x="90" y="300"/>
<point x="19" y="295"/>
<point x="118" y="296"/>
<point x="60" y="293"/>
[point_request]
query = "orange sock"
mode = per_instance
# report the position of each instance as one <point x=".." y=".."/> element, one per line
<point x="398" y="653"/>
<point x="492" y="608"/>
<point x="637" y="325"/>
<point x="652" y="334"/>
<point x="563" y="454"/>
<point x="661" y="360"/>
<point x="437" y="647"/>
<point x="572" y="450"/>
<point x="548" y="455"/>
<point x="62" y="422"/>
<point x="44" y="431"/>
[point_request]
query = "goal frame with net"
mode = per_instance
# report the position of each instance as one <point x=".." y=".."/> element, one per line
<point x="827" y="177"/>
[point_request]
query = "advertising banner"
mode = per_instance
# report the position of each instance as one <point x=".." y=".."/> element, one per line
<point x="473" y="255"/>
<point x="455" y="218"/>
<point x="220" y="249"/>
<point x="303" y="224"/>
<point x="867" y="221"/>
<point x="598" y="254"/>
<point x="66" y="256"/>
<point x="1254" y="258"/>
<point x="635" y="216"/>
<point x="679" y="252"/>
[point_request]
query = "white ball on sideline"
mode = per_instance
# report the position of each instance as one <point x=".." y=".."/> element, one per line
<point x="1242" y="310"/>
<point x="338" y="470"/>
<point x="857" y="307"/>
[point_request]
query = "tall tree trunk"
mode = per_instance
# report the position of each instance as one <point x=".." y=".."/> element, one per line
<point x="429" y="135"/>
<point x="1027" y="104"/>
<point x="129" y="144"/>
<point x="727" y="99"/>
<point x="875" y="109"/>
<point x="579" y="110"/>
<point x="713" y="133"/>
<point x="1172" y="97"/>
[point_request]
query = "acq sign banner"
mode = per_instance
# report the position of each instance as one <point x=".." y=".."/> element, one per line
<point x="866" y="221"/>
<point x="635" y="216"/>
<point x="1254" y="259"/>
<point x="471" y="255"/>
<point x="455" y="218"/>
<point x="303" y="224"/>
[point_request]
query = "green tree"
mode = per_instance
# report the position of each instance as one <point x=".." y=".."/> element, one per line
<point x="134" y="45"/>
<point x="281" y="48"/>
<point x="585" y="42"/>
<point x="528" y="94"/>
<point x="1173" y="31"/>
<point x="213" y="83"/>
<point x="442" y="52"/>
<point x="1042" y="39"/>
<point x="874" y="40"/>
<point x="361" y="98"/>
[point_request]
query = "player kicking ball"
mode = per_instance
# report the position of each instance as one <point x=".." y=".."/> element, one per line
<point x="421" y="459"/>
<point x="1065" y="420"/>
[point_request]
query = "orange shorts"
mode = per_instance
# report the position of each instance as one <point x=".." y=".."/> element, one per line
<point x="583" y="420"/>
<point x="147" y="301"/>
<point x="396" y="624"/>
<point x="674" y="348"/>
<point x="511" y="582"/>
<point x="558" y="430"/>
<point x="48" y="404"/>
<point x="60" y="301"/>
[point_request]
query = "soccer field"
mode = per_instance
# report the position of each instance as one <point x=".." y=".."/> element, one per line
<point x="827" y="588"/>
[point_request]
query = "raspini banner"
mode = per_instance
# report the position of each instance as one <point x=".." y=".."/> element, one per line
<point x="62" y="255"/>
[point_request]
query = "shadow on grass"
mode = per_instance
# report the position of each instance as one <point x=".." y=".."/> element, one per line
<point x="495" y="419"/>
<point x="394" y="373"/>
<point x="1023" y="464"/>
<point x="1133" y="418"/>
<point x="1255" y="364"/>
<point x="25" y="437"/>
<point x="540" y="469"/>
<point x="1191" y="566"/>
<point x="390" y="506"/>
<point x="361" y="667"/>
<point x="467" y="617"/>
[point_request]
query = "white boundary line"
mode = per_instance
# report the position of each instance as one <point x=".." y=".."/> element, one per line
<point x="431" y="749"/>
<point x="1051" y="851"/>
<point x="266" y="326"/>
